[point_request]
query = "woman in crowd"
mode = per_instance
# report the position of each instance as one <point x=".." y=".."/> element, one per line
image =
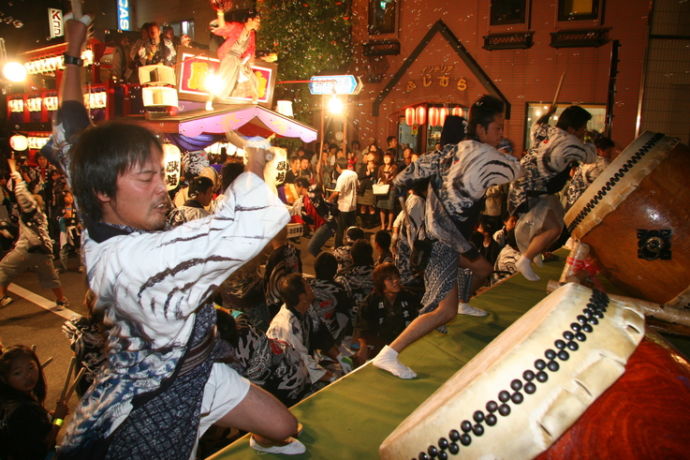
<point x="386" y="203"/>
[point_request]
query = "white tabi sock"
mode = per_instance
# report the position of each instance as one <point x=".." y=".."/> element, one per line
<point x="387" y="359"/>
<point x="525" y="267"/>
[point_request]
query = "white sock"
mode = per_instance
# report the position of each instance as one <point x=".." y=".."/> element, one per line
<point x="525" y="267"/>
<point x="538" y="261"/>
<point x="387" y="359"/>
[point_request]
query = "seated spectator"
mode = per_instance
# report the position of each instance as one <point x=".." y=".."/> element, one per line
<point x="343" y="254"/>
<point x="283" y="260"/>
<point x="509" y="254"/>
<point x="382" y="247"/>
<point x="483" y="241"/>
<point x="272" y="364"/>
<point x="331" y="301"/>
<point x="27" y="430"/>
<point x="357" y="279"/>
<point x="298" y="325"/>
<point x="200" y="196"/>
<point x="385" y="313"/>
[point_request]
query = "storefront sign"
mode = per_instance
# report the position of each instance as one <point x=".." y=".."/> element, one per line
<point x="37" y="143"/>
<point x="55" y="23"/>
<point x="437" y="76"/>
<point x="123" y="17"/>
<point x="334" y="84"/>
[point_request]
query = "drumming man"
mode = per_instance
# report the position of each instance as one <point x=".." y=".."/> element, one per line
<point x="162" y="387"/>
<point x="533" y="197"/>
<point x="459" y="176"/>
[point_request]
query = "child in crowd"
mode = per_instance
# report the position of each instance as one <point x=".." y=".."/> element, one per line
<point x="382" y="247"/>
<point x="27" y="430"/>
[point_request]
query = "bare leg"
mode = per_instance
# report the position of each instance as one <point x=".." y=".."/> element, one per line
<point x="382" y="215"/>
<point x="387" y="359"/>
<point x="261" y="413"/>
<point x="59" y="294"/>
<point x="550" y="233"/>
<point x="481" y="269"/>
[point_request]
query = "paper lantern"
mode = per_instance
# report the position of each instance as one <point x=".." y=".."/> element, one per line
<point x="19" y="142"/>
<point x="433" y="116"/>
<point x="410" y="118"/>
<point x="457" y="111"/>
<point x="284" y="107"/>
<point x="421" y="115"/>
<point x="172" y="159"/>
<point x="443" y="112"/>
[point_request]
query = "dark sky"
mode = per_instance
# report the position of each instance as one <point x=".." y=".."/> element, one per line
<point x="34" y="15"/>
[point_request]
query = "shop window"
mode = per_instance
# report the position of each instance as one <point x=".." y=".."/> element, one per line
<point x="535" y="110"/>
<point x="383" y="17"/>
<point x="575" y="10"/>
<point x="504" y="12"/>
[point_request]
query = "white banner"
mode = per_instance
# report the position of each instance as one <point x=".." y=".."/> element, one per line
<point x="55" y="23"/>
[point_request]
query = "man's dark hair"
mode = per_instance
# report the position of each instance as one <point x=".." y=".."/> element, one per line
<point x="381" y="273"/>
<point x="290" y="287"/>
<point x="104" y="153"/>
<point x="573" y="117"/>
<point x="199" y="184"/>
<point x="453" y="130"/>
<point x="483" y="112"/>
<point x="383" y="239"/>
<point x="325" y="266"/>
<point x="341" y="163"/>
<point x="229" y="173"/>
<point x="389" y="139"/>
<point x="302" y="182"/>
<point x="362" y="253"/>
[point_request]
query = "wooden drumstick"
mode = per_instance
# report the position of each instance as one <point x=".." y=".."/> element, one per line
<point x="46" y="362"/>
<point x="654" y="310"/>
<point x="72" y="363"/>
<point x="80" y="374"/>
<point x="558" y="91"/>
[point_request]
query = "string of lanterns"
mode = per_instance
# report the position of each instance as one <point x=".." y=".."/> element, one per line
<point x="415" y="116"/>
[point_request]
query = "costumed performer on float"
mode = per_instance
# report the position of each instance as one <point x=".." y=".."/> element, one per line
<point x="534" y="197"/>
<point x="236" y="54"/>
<point x="459" y="175"/>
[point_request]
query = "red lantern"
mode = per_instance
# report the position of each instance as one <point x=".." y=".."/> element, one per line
<point x="421" y="115"/>
<point x="410" y="119"/>
<point x="433" y="116"/>
<point x="442" y="114"/>
<point x="457" y="111"/>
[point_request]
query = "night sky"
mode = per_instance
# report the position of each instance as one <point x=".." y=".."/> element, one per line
<point x="34" y="15"/>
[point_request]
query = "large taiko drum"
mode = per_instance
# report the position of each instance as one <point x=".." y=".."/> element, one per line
<point x="636" y="219"/>
<point x="529" y="386"/>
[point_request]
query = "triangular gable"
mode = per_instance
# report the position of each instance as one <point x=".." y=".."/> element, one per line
<point x="475" y="68"/>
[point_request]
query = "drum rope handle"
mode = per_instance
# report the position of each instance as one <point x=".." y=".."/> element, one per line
<point x="480" y="421"/>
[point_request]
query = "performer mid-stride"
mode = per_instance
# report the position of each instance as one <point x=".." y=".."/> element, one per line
<point x="534" y="197"/>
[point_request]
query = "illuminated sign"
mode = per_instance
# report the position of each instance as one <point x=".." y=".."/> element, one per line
<point x="50" y="103"/>
<point x="53" y="63"/>
<point x="37" y="143"/>
<point x="55" y="23"/>
<point x="334" y="84"/>
<point x="34" y="104"/>
<point x="123" y="18"/>
<point x="16" y="105"/>
<point x="97" y="100"/>
<point x="194" y="67"/>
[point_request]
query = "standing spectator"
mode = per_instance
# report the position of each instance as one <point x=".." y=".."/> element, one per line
<point x="367" y="175"/>
<point x="70" y="235"/>
<point x="34" y="247"/>
<point x="147" y="50"/>
<point x="305" y="169"/>
<point x="331" y="303"/>
<point x="386" y="203"/>
<point x="27" y="430"/>
<point x="393" y="147"/>
<point x="169" y="43"/>
<point x="346" y="194"/>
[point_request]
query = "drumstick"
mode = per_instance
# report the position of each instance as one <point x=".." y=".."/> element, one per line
<point x="655" y="310"/>
<point x="72" y="363"/>
<point x="47" y="361"/>
<point x="74" y="384"/>
<point x="558" y="90"/>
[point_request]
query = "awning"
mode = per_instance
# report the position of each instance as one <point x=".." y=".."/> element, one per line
<point x="248" y="119"/>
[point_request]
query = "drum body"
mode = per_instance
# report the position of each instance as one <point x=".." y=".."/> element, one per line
<point x="636" y="218"/>
<point x="516" y="397"/>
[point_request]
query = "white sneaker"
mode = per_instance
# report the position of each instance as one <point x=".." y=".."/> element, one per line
<point x="525" y="267"/>
<point x="387" y="359"/>
<point x="466" y="309"/>
<point x="293" y="447"/>
<point x="5" y="301"/>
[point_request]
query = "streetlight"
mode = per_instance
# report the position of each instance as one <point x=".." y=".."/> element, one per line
<point x="14" y="72"/>
<point x="335" y="106"/>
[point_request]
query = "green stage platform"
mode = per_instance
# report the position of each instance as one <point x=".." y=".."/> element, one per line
<point x="351" y="417"/>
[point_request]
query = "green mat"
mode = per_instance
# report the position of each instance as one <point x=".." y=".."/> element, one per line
<point x="351" y="417"/>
